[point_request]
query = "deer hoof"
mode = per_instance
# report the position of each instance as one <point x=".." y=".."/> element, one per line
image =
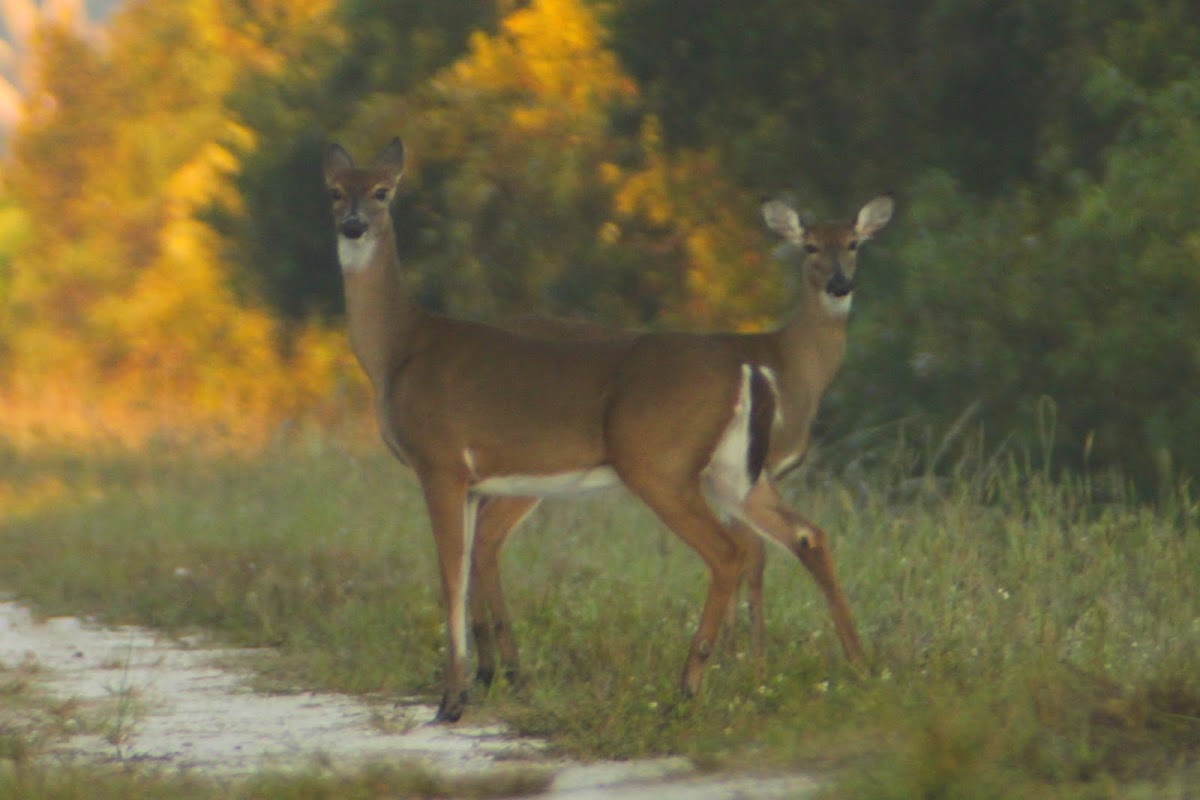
<point x="451" y="708"/>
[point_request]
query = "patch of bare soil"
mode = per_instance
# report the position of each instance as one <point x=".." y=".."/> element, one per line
<point x="164" y="702"/>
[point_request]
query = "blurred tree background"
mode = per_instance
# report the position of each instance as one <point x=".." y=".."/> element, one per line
<point x="164" y="236"/>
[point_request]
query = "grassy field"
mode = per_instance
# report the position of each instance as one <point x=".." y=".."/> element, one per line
<point x="1028" y="638"/>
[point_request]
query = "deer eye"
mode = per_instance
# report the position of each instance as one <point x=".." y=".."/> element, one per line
<point x="335" y="193"/>
<point x="380" y="194"/>
<point x="811" y="248"/>
<point x="852" y="245"/>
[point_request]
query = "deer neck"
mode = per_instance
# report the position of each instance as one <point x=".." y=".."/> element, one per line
<point x="381" y="315"/>
<point x="813" y="341"/>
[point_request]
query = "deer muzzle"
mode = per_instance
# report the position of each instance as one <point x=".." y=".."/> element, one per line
<point x="353" y="227"/>
<point x="839" y="285"/>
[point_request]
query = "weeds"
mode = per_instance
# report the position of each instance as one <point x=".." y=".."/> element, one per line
<point x="378" y="781"/>
<point x="126" y="707"/>
<point x="1028" y="636"/>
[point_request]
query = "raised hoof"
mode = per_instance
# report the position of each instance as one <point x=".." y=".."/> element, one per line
<point x="450" y="710"/>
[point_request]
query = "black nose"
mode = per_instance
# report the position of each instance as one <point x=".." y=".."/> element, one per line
<point x="353" y="228"/>
<point x="839" y="285"/>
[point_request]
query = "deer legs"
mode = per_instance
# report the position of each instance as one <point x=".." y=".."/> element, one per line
<point x="686" y="512"/>
<point x="767" y="513"/>
<point x="490" y="622"/>
<point x="734" y="554"/>
<point x="453" y="511"/>
<point x="764" y="510"/>
<point x="752" y="579"/>
<point x="476" y="528"/>
<point x="491" y="625"/>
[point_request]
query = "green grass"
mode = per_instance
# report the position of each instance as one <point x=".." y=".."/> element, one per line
<point x="376" y="781"/>
<point x="1028" y="638"/>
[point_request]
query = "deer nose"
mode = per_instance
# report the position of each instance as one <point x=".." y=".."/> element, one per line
<point x="839" y="285"/>
<point x="353" y="227"/>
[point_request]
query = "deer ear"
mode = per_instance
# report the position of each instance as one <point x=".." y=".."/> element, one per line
<point x="392" y="158"/>
<point x="783" y="219"/>
<point x="335" y="158"/>
<point x="874" y="215"/>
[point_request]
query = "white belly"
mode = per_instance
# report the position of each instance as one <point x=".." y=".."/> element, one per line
<point x="551" y="485"/>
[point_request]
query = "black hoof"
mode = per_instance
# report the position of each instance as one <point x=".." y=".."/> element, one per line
<point x="451" y="710"/>
<point x="484" y="677"/>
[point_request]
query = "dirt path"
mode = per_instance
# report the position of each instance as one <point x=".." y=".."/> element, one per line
<point x="166" y="703"/>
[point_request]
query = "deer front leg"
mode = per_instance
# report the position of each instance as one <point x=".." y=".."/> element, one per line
<point x="497" y="518"/>
<point x="452" y="513"/>
<point x="813" y="551"/>
<point x="766" y="511"/>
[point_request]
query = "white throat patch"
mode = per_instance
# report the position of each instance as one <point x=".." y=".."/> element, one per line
<point x="354" y="254"/>
<point x="837" y="306"/>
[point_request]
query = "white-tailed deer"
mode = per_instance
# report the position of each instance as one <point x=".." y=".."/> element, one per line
<point x="479" y="412"/>
<point x="803" y="355"/>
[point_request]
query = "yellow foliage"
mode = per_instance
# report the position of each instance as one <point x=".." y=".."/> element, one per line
<point x="526" y="115"/>
<point x="610" y="174"/>
<point x="202" y="180"/>
<point x="682" y="201"/>
<point x="122" y="316"/>
<point x="14" y="229"/>
<point x="551" y="57"/>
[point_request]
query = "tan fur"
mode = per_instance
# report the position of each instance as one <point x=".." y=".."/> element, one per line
<point x="802" y="358"/>
<point x="464" y="403"/>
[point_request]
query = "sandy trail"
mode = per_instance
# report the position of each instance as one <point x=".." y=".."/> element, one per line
<point x="182" y="707"/>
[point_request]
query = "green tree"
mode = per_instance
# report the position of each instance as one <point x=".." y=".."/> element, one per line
<point x="366" y="48"/>
<point x="504" y="199"/>
<point x="840" y="101"/>
<point x="1089" y="302"/>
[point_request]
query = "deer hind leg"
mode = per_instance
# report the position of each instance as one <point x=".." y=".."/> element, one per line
<point x="709" y="445"/>
<point x="766" y="512"/>
<point x="727" y="638"/>
<point x="756" y="565"/>
<point x="684" y="511"/>
<point x="452" y="513"/>
<point x="752" y="580"/>
<point x="481" y="627"/>
<point x="490" y="621"/>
